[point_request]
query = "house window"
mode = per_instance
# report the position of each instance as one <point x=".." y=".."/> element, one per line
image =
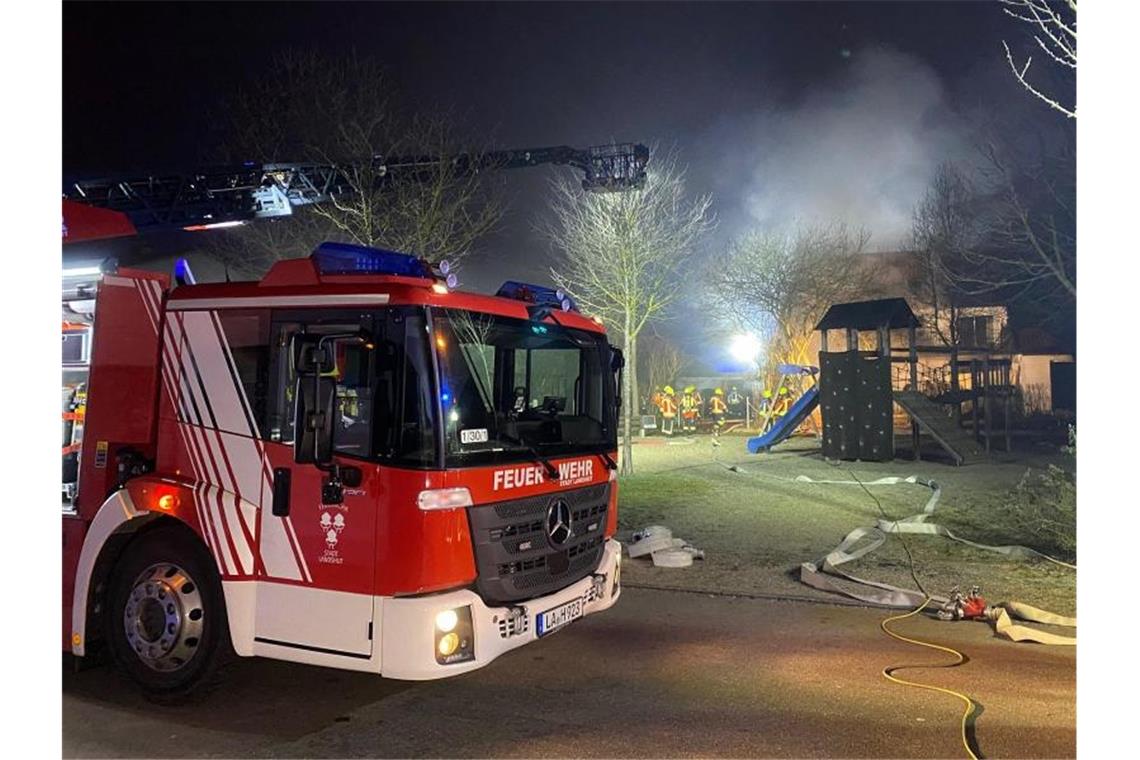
<point x="975" y="331"/>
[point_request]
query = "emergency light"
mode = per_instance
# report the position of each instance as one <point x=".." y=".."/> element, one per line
<point x="539" y="295"/>
<point x="345" y="258"/>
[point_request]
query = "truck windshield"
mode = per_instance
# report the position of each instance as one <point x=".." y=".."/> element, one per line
<point x="511" y="388"/>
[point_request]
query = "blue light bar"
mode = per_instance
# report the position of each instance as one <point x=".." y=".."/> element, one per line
<point x="536" y="294"/>
<point x="345" y="258"/>
<point x="182" y="273"/>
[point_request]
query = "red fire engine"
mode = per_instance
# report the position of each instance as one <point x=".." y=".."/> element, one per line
<point x="347" y="463"/>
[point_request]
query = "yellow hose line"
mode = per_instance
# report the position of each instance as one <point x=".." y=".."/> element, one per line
<point x="961" y="658"/>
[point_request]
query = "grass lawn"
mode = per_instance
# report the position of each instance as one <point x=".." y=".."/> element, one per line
<point x="756" y="528"/>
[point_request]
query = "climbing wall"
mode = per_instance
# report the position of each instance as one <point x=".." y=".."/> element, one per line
<point x="856" y="406"/>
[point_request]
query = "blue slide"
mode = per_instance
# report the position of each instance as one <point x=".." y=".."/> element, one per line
<point x="786" y="425"/>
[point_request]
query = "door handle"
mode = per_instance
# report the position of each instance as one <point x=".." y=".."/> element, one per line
<point x="282" y="487"/>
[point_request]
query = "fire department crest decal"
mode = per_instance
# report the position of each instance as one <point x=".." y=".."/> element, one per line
<point x="332" y="526"/>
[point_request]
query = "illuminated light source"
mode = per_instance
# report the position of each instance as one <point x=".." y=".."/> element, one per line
<point x="440" y="342"/>
<point x="454" y="416"/>
<point x="213" y="226"/>
<point x="454" y="636"/>
<point x="446" y="621"/>
<point x="444" y="498"/>
<point x="167" y="502"/>
<point x="448" y="644"/>
<point x="745" y="348"/>
<point x="440" y="288"/>
<point x="345" y="258"/>
<point x="82" y="271"/>
<point x="182" y="273"/>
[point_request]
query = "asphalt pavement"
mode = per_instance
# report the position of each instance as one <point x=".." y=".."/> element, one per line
<point x="660" y="674"/>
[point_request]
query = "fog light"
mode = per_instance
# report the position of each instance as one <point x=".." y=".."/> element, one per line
<point x="446" y="621"/>
<point x="448" y="644"/>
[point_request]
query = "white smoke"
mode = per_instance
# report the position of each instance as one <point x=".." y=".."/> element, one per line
<point x="860" y="149"/>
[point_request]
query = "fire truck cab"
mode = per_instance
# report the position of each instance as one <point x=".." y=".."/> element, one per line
<point x="347" y="463"/>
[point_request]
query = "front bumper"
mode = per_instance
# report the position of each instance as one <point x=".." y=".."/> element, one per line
<point x="408" y="624"/>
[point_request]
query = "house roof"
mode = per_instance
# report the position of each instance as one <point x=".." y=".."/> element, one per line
<point x="869" y="315"/>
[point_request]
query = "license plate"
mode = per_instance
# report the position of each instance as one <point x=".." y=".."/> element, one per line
<point x="552" y="620"/>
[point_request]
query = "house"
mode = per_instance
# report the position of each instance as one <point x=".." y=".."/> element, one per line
<point x="1042" y="371"/>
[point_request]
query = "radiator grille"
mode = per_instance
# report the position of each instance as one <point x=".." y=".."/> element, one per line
<point x="514" y="555"/>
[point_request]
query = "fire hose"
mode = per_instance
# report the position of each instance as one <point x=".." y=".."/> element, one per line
<point x="863" y="541"/>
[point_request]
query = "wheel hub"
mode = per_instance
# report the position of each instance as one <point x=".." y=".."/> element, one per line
<point x="163" y="617"/>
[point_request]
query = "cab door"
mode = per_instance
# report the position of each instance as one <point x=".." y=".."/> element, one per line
<point x="327" y="534"/>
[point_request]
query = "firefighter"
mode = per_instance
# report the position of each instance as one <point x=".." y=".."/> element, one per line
<point x="764" y="409"/>
<point x="668" y="410"/>
<point x="735" y="402"/>
<point x="655" y="404"/>
<point x="717" y="407"/>
<point x="689" y="409"/>
<point x="783" y="402"/>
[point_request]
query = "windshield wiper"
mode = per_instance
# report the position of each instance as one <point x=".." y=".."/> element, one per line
<point x="606" y="458"/>
<point x="551" y="470"/>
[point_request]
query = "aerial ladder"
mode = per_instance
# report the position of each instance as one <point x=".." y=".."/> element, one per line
<point x="232" y="195"/>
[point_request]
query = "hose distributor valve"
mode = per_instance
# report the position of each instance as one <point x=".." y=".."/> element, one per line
<point x="963" y="607"/>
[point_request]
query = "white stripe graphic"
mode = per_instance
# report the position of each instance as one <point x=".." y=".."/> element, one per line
<point x="214" y="372"/>
<point x="144" y="297"/>
<point x="206" y="519"/>
<point x="191" y="392"/>
<point x="209" y="502"/>
<point x="232" y="366"/>
<point x="338" y="299"/>
<point x="279" y="547"/>
<point x="200" y="345"/>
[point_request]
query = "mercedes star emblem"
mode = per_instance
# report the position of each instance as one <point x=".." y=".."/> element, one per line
<point x="558" y="522"/>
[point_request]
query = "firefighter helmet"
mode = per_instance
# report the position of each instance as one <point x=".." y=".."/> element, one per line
<point x="767" y="393"/>
<point x="718" y="392"/>
<point x="783" y="391"/>
<point x="669" y="389"/>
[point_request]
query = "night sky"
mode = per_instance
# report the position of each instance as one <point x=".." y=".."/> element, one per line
<point x="784" y="111"/>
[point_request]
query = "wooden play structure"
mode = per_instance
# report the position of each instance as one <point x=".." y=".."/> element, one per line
<point x="856" y="382"/>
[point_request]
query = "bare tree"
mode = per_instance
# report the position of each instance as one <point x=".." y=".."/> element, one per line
<point x="780" y="284"/>
<point x="945" y="231"/>
<point x="247" y="252"/>
<point x="1030" y="238"/>
<point x="619" y="255"/>
<point x="662" y="361"/>
<point x="436" y="212"/>
<point x="473" y="331"/>
<point x="338" y="111"/>
<point x="1054" y="29"/>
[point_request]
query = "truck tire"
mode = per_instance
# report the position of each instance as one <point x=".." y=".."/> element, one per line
<point x="166" y="620"/>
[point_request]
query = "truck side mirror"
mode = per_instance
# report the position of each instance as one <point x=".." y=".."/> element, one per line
<point x="315" y="417"/>
<point x="617" y="363"/>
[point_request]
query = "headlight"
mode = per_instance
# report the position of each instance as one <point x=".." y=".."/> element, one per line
<point x="446" y="621"/>
<point x="454" y="636"/>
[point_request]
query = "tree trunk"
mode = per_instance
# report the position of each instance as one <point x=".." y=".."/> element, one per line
<point x="627" y="402"/>
<point x="635" y="397"/>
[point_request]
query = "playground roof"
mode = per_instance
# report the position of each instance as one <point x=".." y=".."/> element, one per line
<point x="869" y="315"/>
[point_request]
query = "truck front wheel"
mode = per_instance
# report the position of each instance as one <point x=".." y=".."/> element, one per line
<point x="166" y="616"/>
